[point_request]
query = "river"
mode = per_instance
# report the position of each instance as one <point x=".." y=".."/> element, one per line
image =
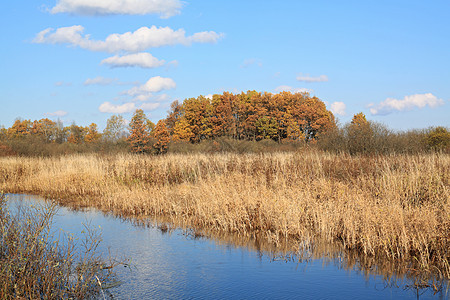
<point x="176" y="265"/>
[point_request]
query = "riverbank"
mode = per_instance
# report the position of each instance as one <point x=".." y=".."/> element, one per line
<point x="392" y="207"/>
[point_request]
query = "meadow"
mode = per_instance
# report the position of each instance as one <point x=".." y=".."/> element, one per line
<point x="390" y="207"/>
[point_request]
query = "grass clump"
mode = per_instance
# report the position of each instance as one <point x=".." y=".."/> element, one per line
<point x="36" y="265"/>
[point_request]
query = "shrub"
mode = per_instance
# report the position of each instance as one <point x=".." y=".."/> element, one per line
<point x="35" y="265"/>
<point x="438" y="139"/>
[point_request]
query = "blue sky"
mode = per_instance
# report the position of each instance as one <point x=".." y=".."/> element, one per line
<point x="84" y="60"/>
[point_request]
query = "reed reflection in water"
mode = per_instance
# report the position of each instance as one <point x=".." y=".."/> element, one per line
<point x="178" y="264"/>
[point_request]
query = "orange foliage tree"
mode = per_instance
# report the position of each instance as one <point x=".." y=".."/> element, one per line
<point x="77" y="134"/>
<point x="92" y="134"/>
<point x="20" y="128"/>
<point x="162" y="136"/>
<point x="250" y="116"/>
<point x="139" y="138"/>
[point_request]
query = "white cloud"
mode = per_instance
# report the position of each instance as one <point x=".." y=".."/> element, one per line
<point x="143" y="97"/>
<point x="205" y="37"/>
<point x="99" y="80"/>
<point x="307" y="78"/>
<point x="172" y="64"/>
<point x="139" y="40"/>
<point x="108" y="107"/>
<point x="165" y="8"/>
<point x="409" y="102"/>
<point x="143" y="60"/>
<point x="58" y="113"/>
<point x="153" y="85"/>
<point x="287" y="88"/>
<point x="161" y="98"/>
<point x="149" y="106"/>
<point x="209" y="96"/>
<point x="338" y="108"/>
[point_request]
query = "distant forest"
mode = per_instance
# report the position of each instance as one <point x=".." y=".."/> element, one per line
<point x="245" y="122"/>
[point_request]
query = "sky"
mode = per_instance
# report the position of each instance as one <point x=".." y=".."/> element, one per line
<point x="83" y="61"/>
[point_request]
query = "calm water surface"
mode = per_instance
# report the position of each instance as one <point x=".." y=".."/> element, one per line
<point x="176" y="266"/>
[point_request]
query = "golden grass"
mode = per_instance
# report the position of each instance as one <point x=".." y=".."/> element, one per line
<point x="393" y="207"/>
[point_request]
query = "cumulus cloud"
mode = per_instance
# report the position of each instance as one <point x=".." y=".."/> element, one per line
<point x="165" y="8"/>
<point x="108" y="107"/>
<point x="58" y="113"/>
<point x="149" y="106"/>
<point x="143" y="60"/>
<point x="153" y="85"/>
<point x="407" y="103"/>
<point x="139" y="40"/>
<point x="338" y="108"/>
<point x="287" y="88"/>
<point x="307" y="78"/>
<point x="99" y="80"/>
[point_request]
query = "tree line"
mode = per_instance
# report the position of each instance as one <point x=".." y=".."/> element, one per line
<point x="282" y="118"/>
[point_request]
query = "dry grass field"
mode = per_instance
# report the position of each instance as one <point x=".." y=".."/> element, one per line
<point x="392" y="207"/>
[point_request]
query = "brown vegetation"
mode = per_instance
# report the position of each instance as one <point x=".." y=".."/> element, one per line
<point x="394" y="207"/>
<point x="36" y="265"/>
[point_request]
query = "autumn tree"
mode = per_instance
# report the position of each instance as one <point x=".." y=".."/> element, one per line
<point x="115" y="129"/>
<point x="139" y="137"/>
<point x="92" y="134"/>
<point x="222" y="119"/>
<point x="20" y="128"/>
<point x="438" y="139"/>
<point x="3" y="132"/>
<point x="77" y="134"/>
<point x="359" y="119"/>
<point x="197" y="112"/>
<point x="359" y="134"/>
<point x="312" y="116"/>
<point x="174" y="115"/>
<point x="251" y="115"/>
<point x="182" y="130"/>
<point x="162" y="136"/>
<point x="267" y="128"/>
<point x="45" y="128"/>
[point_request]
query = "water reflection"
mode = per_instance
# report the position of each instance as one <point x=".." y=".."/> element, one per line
<point x="172" y="263"/>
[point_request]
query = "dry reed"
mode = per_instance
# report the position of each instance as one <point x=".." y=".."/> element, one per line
<point x="34" y="264"/>
<point x="392" y="207"/>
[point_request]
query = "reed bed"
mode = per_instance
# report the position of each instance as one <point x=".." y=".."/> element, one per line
<point x="35" y="264"/>
<point x="391" y="207"/>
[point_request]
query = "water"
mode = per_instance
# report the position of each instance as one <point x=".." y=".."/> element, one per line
<point x="177" y="266"/>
